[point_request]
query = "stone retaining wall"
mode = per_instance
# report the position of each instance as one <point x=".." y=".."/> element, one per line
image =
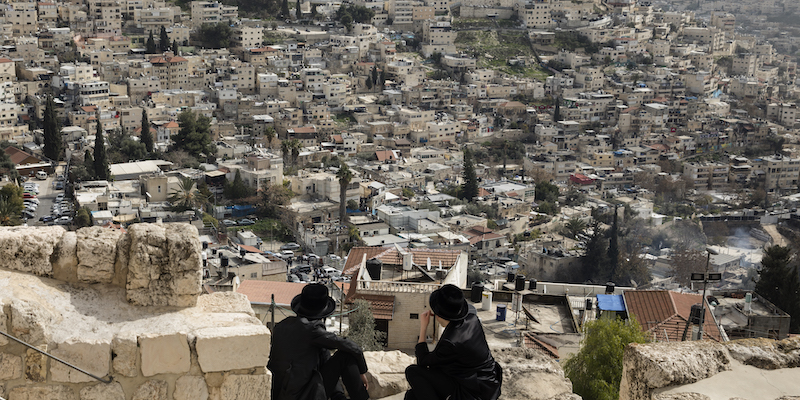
<point x="125" y="305"/>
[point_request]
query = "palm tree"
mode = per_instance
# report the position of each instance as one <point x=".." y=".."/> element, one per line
<point x="285" y="151"/>
<point x="186" y="197"/>
<point x="345" y="176"/>
<point x="575" y="226"/>
<point x="295" y="146"/>
<point x="9" y="214"/>
<point x="269" y="132"/>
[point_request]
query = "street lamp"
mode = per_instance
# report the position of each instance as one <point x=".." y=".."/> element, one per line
<point x="706" y="278"/>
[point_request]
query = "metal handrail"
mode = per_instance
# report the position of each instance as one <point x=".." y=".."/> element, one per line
<point x="109" y="380"/>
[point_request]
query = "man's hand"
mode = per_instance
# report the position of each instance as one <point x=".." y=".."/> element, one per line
<point x="364" y="379"/>
<point x="424" y="320"/>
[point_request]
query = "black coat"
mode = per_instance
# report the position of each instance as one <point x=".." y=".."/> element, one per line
<point x="463" y="354"/>
<point x="299" y="348"/>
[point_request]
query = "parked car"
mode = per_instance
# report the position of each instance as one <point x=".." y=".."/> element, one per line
<point x="286" y="254"/>
<point x="28" y="215"/>
<point x="305" y="268"/>
<point x="60" y="197"/>
<point x="64" y="220"/>
<point x="246" y="221"/>
<point x="290" y="246"/>
<point x="59" y="185"/>
<point x="47" y="218"/>
<point x="293" y="278"/>
<point x="28" y="196"/>
<point x="228" y="222"/>
<point x="331" y="272"/>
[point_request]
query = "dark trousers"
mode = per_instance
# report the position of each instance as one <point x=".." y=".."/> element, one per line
<point x="344" y="366"/>
<point x="428" y="384"/>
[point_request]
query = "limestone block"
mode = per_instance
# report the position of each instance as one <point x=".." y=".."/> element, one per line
<point x="31" y="321"/>
<point x="234" y="347"/>
<point x="10" y="367"/>
<point x="36" y="365"/>
<point x="151" y="390"/>
<point x="28" y="249"/>
<point x="651" y="366"/>
<point x="111" y="391"/>
<point x="191" y="388"/>
<point x="91" y="356"/>
<point x="529" y="374"/>
<point x="765" y="353"/>
<point x="5" y="311"/>
<point x="49" y="392"/>
<point x="65" y="260"/>
<point x="97" y="254"/>
<point x="566" y="396"/>
<point x="164" y="354"/>
<point x="246" y="387"/>
<point x="121" y="264"/>
<point x="386" y="372"/>
<point x="164" y="265"/>
<point x="125" y="350"/>
<point x="225" y="302"/>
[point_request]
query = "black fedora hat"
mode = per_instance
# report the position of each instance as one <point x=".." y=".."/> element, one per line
<point x="449" y="303"/>
<point x="313" y="302"/>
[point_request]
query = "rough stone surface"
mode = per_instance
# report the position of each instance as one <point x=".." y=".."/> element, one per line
<point x="31" y="322"/>
<point x="566" y="396"/>
<point x="97" y="253"/>
<point x="225" y="302"/>
<point x="151" y="390"/>
<point x="5" y="310"/>
<point x="229" y="348"/>
<point x="125" y="349"/>
<point x="681" y="396"/>
<point x="164" y="266"/>
<point x="91" y="356"/>
<point x="65" y="262"/>
<point x="765" y="353"/>
<point x="121" y="263"/>
<point x="56" y="392"/>
<point x="28" y="249"/>
<point x="530" y="375"/>
<point x="191" y="388"/>
<point x="655" y="365"/>
<point x="112" y="391"/>
<point x="246" y="387"/>
<point x="10" y="367"/>
<point x="386" y="372"/>
<point x="164" y="354"/>
<point x="36" y="365"/>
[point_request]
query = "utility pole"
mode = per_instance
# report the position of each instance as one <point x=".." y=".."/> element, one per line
<point x="705" y="277"/>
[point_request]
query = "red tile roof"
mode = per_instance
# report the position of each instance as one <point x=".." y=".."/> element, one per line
<point x="382" y="306"/>
<point x="262" y="291"/>
<point x="20" y="157"/>
<point x="384" y="155"/>
<point x="390" y="255"/>
<point x="532" y="342"/>
<point x="171" y="124"/>
<point x="664" y="313"/>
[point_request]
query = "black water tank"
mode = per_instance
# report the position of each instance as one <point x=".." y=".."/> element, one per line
<point x="588" y="305"/>
<point x="520" y="285"/>
<point x="511" y="276"/>
<point x="374" y="268"/>
<point x="242" y="253"/>
<point x="696" y="315"/>
<point x="205" y="245"/>
<point x="610" y="286"/>
<point x="532" y="284"/>
<point x="223" y="261"/>
<point x="477" y="291"/>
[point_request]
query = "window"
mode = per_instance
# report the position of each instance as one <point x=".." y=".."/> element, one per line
<point x="413" y="316"/>
<point x="254" y="274"/>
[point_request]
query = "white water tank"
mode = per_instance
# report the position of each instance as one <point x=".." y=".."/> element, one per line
<point x="486" y="301"/>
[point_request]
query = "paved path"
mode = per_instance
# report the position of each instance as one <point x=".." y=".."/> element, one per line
<point x="777" y="238"/>
<point x="746" y="382"/>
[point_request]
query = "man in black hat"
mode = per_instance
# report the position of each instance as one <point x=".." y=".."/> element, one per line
<point x="461" y="366"/>
<point x="300" y="359"/>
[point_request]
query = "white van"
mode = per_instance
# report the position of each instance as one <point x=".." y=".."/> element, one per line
<point x="41" y="175"/>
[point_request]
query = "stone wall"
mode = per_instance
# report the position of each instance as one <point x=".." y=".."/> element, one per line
<point x="704" y="370"/>
<point x="159" y="265"/>
<point x="126" y="306"/>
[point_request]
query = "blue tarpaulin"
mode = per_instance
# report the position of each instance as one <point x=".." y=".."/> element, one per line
<point x="610" y="302"/>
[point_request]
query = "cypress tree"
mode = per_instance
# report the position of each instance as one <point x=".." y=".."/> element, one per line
<point x="88" y="162"/>
<point x="285" y="9"/>
<point x="613" y="246"/>
<point x="297" y="12"/>
<point x="470" y="189"/>
<point x="147" y="137"/>
<point x="175" y="47"/>
<point x="150" y="45"/>
<point x="101" y="171"/>
<point x="52" y="131"/>
<point x="163" y="40"/>
<point x="374" y="75"/>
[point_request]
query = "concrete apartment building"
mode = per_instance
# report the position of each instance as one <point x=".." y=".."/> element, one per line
<point x="153" y="19"/>
<point x="212" y="12"/>
<point x="172" y="71"/>
<point x="781" y="173"/>
<point x="707" y="176"/>
<point x="536" y="14"/>
<point x="23" y="18"/>
<point x="248" y="37"/>
<point x="783" y="113"/>
<point x="437" y="37"/>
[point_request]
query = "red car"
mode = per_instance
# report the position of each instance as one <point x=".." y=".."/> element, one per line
<point x="28" y="196"/>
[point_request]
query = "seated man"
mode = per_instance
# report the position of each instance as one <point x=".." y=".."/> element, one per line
<point x="461" y="366"/>
<point x="300" y="359"/>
